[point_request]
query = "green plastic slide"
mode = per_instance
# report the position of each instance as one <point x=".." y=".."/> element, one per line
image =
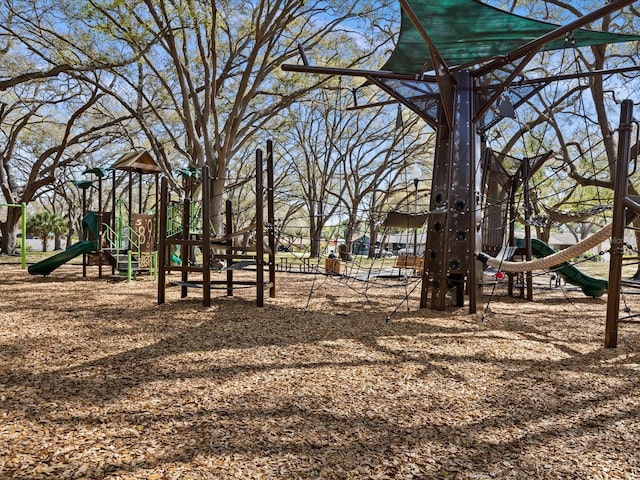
<point x="591" y="287"/>
<point x="48" y="265"/>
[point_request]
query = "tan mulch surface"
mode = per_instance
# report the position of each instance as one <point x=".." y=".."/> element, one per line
<point x="97" y="381"/>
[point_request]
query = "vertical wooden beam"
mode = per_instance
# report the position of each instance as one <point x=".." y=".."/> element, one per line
<point x="100" y="231"/>
<point x="619" y="221"/>
<point x="512" y="217"/>
<point x="157" y="217"/>
<point x="162" y="235"/>
<point x="471" y="158"/>
<point x="259" y="230"/>
<point x="271" y="220"/>
<point x="526" y="173"/>
<point x="229" y="250"/>
<point x="435" y="253"/>
<point x="206" y="237"/>
<point x="85" y="235"/>
<point x="185" y="249"/>
<point x="130" y="192"/>
<point x="114" y="215"/>
<point x="139" y="192"/>
<point x="454" y="232"/>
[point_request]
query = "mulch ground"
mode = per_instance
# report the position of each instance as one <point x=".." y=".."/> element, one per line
<point x="327" y="381"/>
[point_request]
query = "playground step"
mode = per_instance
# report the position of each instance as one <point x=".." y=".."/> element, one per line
<point x="120" y="260"/>
<point x="630" y="283"/>
<point x="124" y="266"/>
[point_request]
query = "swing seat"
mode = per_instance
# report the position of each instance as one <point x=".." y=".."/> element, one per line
<point x="506" y="253"/>
<point x="240" y="265"/>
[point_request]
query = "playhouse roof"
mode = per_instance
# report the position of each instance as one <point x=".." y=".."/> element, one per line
<point x="467" y="32"/>
<point x="141" y="162"/>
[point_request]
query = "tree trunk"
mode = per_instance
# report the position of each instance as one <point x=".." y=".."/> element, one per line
<point x="8" y="244"/>
<point x="44" y="242"/>
<point x="71" y="232"/>
<point x="373" y="238"/>
<point x="351" y="226"/>
<point x="316" y="239"/>
<point x="217" y="207"/>
<point x="8" y="229"/>
<point x="544" y="232"/>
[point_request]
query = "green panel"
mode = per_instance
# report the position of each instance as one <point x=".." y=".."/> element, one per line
<point x="468" y="32"/>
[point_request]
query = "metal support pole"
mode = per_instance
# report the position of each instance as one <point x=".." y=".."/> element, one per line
<point x="84" y="234"/>
<point x="271" y="220"/>
<point x="526" y="172"/>
<point x="415" y="230"/>
<point x="259" y="230"/>
<point x="100" y="228"/>
<point x="185" y="247"/>
<point x="139" y="192"/>
<point x="161" y="265"/>
<point x="206" y="237"/>
<point x="228" y="215"/>
<point x="617" y="232"/>
<point x="130" y="206"/>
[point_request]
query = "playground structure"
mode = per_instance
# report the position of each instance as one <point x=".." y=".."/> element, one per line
<point x="625" y="208"/>
<point x="503" y="176"/>
<point x="124" y="240"/>
<point x="462" y="97"/>
<point x="187" y="227"/>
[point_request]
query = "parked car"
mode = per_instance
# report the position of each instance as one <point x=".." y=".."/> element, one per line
<point x="284" y="248"/>
<point x="409" y="251"/>
<point x="381" y="253"/>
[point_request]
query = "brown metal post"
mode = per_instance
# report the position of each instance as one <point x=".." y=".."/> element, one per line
<point x="185" y="248"/>
<point x="130" y="201"/>
<point x="84" y="234"/>
<point x="474" y="266"/>
<point x="526" y="172"/>
<point x="114" y="220"/>
<point x="229" y="249"/>
<point x="512" y="217"/>
<point x="100" y="231"/>
<point x="617" y="233"/>
<point x="435" y="254"/>
<point x="156" y="220"/>
<point x="139" y="192"/>
<point x="271" y="220"/>
<point x="206" y="238"/>
<point x="451" y="240"/>
<point x="114" y="215"/>
<point x="259" y="231"/>
<point x="162" y="235"/>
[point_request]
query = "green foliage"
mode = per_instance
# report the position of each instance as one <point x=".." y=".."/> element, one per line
<point x="44" y="224"/>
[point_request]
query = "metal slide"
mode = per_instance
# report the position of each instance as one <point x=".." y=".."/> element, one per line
<point x="48" y="265"/>
<point x="591" y="287"/>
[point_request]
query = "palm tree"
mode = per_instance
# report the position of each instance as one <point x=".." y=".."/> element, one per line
<point x="43" y="224"/>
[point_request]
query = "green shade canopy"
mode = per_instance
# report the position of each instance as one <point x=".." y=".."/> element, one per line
<point x="98" y="172"/>
<point x="469" y="32"/>
<point x="83" y="184"/>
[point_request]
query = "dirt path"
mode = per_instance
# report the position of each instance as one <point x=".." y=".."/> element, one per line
<point x="97" y="381"/>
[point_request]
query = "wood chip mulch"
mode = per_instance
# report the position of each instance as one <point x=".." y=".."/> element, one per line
<point x="98" y="381"/>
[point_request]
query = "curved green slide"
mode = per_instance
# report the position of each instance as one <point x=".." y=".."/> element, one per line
<point x="591" y="287"/>
<point x="48" y="265"/>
